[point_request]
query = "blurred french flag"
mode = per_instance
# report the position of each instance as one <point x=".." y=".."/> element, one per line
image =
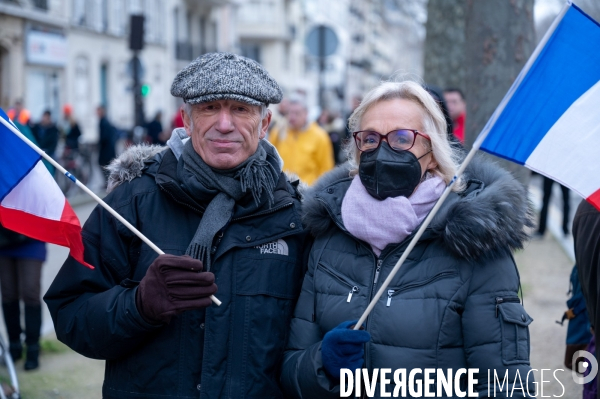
<point x="31" y="203"/>
<point x="549" y="120"/>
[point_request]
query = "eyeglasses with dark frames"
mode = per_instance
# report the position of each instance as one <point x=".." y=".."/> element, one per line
<point x="398" y="140"/>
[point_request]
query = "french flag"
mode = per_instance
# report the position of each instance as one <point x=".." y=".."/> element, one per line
<point x="31" y="203"/>
<point x="549" y="120"/>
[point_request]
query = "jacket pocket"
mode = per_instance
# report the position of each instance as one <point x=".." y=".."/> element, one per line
<point x="273" y="276"/>
<point x="352" y="287"/>
<point x="392" y="292"/>
<point x="514" y="322"/>
<point x="266" y="287"/>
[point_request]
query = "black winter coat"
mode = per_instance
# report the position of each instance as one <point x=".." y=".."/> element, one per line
<point x="47" y="137"/>
<point x="228" y="351"/>
<point x="453" y="303"/>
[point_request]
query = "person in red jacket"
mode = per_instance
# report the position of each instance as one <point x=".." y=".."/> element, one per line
<point x="455" y="100"/>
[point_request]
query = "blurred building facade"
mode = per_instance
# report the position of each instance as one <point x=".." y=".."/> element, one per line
<point x="379" y="40"/>
<point x="33" y="54"/>
<point x="54" y="52"/>
<point x="100" y="66"/>
<point x="175" y="33"/>
<point x="272" y="32"/>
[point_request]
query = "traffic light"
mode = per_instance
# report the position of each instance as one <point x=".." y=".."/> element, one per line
<point x="136" y="32"/>
<point x="145" y="90"/>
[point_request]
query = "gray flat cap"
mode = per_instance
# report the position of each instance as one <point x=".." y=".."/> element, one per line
<point x="218" y="76"/>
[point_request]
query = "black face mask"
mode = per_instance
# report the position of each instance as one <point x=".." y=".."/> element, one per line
<point x="387" y="173"/>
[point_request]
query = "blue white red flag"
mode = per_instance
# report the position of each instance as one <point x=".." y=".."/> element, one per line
<point x="549" y="120"/>
<point x="31" y="203"/>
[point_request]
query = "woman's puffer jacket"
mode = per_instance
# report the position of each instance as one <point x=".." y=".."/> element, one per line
<point x="453" y="304"/>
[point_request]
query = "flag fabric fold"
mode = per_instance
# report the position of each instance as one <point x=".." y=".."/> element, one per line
<point x="31" y="203"/>
<point x="551" y="123"/>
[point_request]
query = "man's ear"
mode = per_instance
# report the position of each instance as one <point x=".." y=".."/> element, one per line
<point x="187" y="122"/>
<point x="266" y="121"/>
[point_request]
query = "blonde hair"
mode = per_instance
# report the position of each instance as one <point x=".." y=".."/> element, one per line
<point x="434" y="125"/>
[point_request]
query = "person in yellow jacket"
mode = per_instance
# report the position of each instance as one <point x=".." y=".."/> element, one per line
<point x="305" y="148"/>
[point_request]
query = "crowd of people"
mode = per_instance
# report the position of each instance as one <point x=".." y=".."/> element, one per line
<point x="250" y="207"/>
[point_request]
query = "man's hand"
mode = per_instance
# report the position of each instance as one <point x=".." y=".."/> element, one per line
<point x="172" y="285"/>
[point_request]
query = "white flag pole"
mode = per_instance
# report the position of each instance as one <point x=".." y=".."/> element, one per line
<point x="467" y="160"/>
<point x="88" y="191"/>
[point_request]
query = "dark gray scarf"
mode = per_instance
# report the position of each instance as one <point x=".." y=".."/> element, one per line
<point x="222" y="189"/>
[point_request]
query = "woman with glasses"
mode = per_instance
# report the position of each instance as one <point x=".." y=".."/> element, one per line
<point x="453" y="304"/>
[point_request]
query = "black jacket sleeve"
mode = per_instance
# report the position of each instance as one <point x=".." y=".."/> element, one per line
<point x="94" y="311"/>
<point x="302" y="374"/>
<point x="495" y="329"/>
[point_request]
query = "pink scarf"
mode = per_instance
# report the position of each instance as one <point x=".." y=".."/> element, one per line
<point x="389" y="221"/>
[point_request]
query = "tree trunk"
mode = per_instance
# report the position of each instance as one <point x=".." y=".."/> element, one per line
<point x="444" y="62"/>
<point x="500" y="37"/>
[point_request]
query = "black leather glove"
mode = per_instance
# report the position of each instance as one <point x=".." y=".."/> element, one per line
<point x="173" y="284"/>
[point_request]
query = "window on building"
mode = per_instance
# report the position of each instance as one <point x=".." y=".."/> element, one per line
<point x="96" y="13"/>
<point x="258" y="11"/>
<point x="188" y="26"/>
<point x="79" y="12"/>
<point x="176" y="29"/>
<point x="104" y="15"/>
<point x="153" y="23"/>
<point x="149" y="21"/>
<point x="117" y="17"/>
<point x="134" y="6"/>
<point x="176" y="23"/>
<point x="81" y="101"/>
<point x="286" y="56"/>
<point x="202" y="29"/>
<point x="183" y="48"/>
<point x="251" y="50"/>
<point x="213" y="37"/>
<point x="41" y="4"/>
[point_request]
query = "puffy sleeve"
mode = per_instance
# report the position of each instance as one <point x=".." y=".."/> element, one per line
<point x="302" y="374"/>
<point x="94" y="311"/>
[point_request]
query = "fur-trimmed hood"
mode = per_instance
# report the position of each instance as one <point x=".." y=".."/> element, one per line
<point x="130" y="164"/>
<point x="487" y="219"/>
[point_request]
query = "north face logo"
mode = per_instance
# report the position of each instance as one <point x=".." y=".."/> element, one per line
<point x="278" y="247"/>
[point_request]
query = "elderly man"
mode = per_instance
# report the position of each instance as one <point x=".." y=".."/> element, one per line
<point x="305" y="147"/>
<point x="219" y="205"/>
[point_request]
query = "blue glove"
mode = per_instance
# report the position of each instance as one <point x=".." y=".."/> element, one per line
<point x="343" y="348"/>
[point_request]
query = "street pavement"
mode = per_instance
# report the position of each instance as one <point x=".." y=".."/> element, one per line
<point x="544" y="266"/>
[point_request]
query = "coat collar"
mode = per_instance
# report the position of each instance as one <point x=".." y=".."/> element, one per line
<point x="486" y="219"/>
<point x="161" y="163"/>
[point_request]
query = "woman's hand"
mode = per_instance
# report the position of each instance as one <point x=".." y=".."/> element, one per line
<point x="343" y="348"/>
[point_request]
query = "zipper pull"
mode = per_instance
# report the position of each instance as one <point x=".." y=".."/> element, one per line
<point x="499" y="300"/>
<point x="379" y="262"/>
<point x="352" y="291"/>
<point x="389" y="301"/>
